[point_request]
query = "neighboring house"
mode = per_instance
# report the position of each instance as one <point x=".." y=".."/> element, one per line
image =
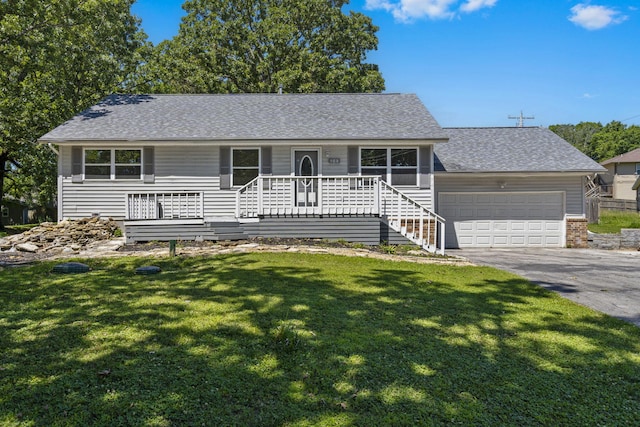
<point x="14" y="212"/>
<point x="358" y="167"/>
<point x="622" y="174"/>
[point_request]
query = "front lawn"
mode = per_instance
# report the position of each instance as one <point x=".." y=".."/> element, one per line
<point x="302" y="340"/>
<point x="614" y="221"/>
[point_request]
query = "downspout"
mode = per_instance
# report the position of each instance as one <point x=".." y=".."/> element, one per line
<point x="57" y="153"/>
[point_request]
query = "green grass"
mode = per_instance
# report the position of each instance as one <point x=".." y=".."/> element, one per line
<point x="613" y="221"/>
<point x="301" y="340"/>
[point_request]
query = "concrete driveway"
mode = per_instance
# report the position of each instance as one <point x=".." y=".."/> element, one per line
<point x="607" y="281"/>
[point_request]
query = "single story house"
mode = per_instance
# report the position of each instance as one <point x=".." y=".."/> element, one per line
<point x="622" y="175"/>
<point x="359" y="167"/>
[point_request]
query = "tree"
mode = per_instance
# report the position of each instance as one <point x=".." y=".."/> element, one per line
<point x="57" y="57"/>
<point x="579" y="135"/>
<point x="600" y="142"/>
<point x="260" y="45"/>
<point x="615" y="139"/>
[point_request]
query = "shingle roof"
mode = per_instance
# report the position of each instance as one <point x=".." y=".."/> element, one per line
<point x="632" y="156"/>
<point x="251" y="117"/>
<point x="512" y="149"/>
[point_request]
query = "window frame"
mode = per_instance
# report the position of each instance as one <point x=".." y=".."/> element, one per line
<point x="112" y="164"/>
<point x="232" y="167"/>
<point x="637" y="168"/>
<point x="389" y="168"/>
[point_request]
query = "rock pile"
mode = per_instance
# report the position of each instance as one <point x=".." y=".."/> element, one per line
<point x="65" y="237"/>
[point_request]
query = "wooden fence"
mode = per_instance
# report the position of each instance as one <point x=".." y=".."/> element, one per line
<point x="595" y="204"/>
<point x="620" y="205"/>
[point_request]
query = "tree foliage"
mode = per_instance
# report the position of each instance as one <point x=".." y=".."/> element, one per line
<point x="259" y="45"/>
<point x="57" y="57"/>
<point x="600" y="142"/>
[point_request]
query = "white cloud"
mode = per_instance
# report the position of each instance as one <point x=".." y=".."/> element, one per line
<point x="407" y="10"/>
<point x="595" y="17"/>
<point x="473" y="5"/>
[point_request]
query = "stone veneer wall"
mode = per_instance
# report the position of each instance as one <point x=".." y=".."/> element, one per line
<point x="577" y="233"/>
<point x="630" y="238"/>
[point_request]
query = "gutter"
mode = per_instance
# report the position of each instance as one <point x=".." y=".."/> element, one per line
<point x="53" y="149"/>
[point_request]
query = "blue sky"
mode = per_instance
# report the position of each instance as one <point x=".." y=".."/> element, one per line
<point x="476" y="62"/>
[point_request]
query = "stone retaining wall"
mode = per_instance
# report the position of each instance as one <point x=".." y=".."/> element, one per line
<point x="629" y="238"/>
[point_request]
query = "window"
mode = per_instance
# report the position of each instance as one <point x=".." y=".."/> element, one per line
<point x="245" y="165"/>
<point x="112" y="164"/>
<point x="396" y="165"/>
<point x="637" y="168"/>
<point x="5" y="212"/>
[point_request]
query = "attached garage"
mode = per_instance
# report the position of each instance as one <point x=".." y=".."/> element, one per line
<point x="516" y="219"/>
<point x="511" y="187"/>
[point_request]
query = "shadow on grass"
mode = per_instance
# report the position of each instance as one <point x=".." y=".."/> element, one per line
<point x="369" y="343"/>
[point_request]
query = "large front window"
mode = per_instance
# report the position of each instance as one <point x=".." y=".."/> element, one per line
<point x="112" y="164"/>
<point x="399" y="166"/>
<point x="245" y="165"/>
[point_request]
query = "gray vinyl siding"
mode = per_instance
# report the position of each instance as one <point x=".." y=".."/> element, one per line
<point x="571" y="185"/>
<point x="351" y="229"/>
<point x="187" y="168"/>
<point x="366" y="230"/>
<point x="625" y="168"/>
<point x="197" y="171"/>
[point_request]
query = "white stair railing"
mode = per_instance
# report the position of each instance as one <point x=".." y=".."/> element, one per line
<point x="411" y="219"/>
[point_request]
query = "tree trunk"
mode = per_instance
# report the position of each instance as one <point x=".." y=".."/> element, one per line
<point x="4" y="156"/>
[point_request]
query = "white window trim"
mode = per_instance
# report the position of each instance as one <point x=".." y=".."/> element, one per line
<point x="389" y="167"/>
<point x="637" y="168"/>
<point x="113" y="164"/>
<point x="232" y="167"/>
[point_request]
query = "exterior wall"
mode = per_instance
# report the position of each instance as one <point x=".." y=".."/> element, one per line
<point x="351" y="229"/>
<point x="625" y="169"/>
<point x="572" y="185"/>
<point x="622" y="187"/>
<point x="577" y="233"/>
<point x="198" y="170"/>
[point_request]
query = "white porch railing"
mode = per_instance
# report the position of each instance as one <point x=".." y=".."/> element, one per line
<point x="183" y="205"/>
<point x="314" y="195"/>
<point x="342" y="195"/>
<point x="411" y="219"/>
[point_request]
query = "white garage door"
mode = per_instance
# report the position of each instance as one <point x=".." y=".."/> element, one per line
<point x="503" y="219"/>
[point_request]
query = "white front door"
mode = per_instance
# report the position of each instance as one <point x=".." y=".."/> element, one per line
<point x="305" y="163"/>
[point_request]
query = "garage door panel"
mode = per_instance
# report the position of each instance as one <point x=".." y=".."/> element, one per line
<point x="552" y="226"/>
<point x="467" y="226"/>
<point x="518" y="226"/>
<point x="518" y="240"/>
<point x="499" y="226"/>
<point x="503" y="219"/>
<point x="482" y="226"/>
